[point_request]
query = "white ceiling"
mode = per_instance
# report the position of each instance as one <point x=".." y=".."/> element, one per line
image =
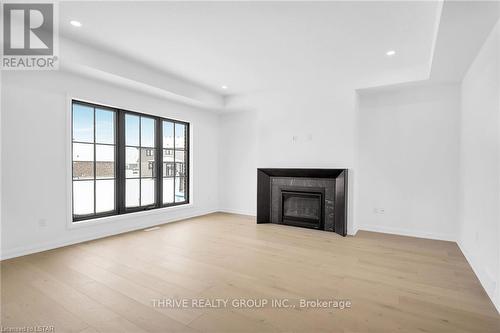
<point x="463" y="28"/>
<point x="261" y="45"/>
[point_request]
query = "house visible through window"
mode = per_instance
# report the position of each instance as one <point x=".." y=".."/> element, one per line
<point x="175" y="152"/>
<point x="115" y="161"/>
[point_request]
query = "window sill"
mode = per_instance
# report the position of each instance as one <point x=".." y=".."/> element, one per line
<point x="122" y="217"/>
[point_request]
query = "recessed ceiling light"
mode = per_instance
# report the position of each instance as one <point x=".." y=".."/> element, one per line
<point x="390" y="53"/>
<point x="224" y="87"/>
<point x="75" y="23"/>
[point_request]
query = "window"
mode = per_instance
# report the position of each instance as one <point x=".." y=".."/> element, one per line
<point x="115" y="162"/>
<point x="140" y="184"/>
<point x="94" y="152"/>
<point x="174" y="162"/>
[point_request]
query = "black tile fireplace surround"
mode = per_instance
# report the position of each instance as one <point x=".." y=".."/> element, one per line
<point x="309" y="198"/>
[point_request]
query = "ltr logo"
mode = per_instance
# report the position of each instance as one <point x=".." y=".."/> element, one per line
<point x="28" y="29"/>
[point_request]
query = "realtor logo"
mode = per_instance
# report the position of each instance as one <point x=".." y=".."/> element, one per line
<point x="29" y="36"/>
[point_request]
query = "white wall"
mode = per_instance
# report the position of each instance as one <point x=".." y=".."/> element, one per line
<point x="408" y="161"/>
<point x="238" y="163"/>
<point x="310" y="128"/>
<point x="1" y="159"/>
<point x="34" y="159"/>
<point x="479" y="236"/>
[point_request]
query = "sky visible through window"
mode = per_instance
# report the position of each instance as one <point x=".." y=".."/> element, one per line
<point x="83" y="131"/>
<point x="132" y="130"/>
<point x="83" y="123"/>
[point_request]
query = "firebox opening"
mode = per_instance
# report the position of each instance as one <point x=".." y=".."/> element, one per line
<point x="303" y="209"/>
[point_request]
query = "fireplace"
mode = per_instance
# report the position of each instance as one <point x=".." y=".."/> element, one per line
<point x="310" y="198"/>
<point x="302" y="207"/>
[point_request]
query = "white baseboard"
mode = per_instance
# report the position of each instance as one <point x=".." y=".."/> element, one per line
<point x="487" y="282"/>
<point x="353" y="232"/>
<point x="25" y="250"/>
<point x="407" y="232"/>
<point x="237" y="211"/>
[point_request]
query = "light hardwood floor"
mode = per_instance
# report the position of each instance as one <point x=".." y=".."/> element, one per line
<point x="395" y="283"/>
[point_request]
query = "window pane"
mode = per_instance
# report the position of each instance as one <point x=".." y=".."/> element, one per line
<point x="132" y="162"/>
<point x="83" y="161"/>
<point x="168" y="134"/>
<point x="180" y="165"/>
<point x="180" y="169"/>
<point x="180" y="138"/>
<point x="83" y="123"/>
<point x="147" y="132"/>
<point x="148" y="164"/>
<point x="132" y="192"/>
<point x="168" y="169"/>
<point x="105" y="161"/>
<point x="83" y="197"/>
<point x="105" y="195"/>
<point x="180" y="189"/>
<point x="147" y="192"/>
<point x="168" y="190"/>
<point x="104" y="126"/>
<point x="168" y="155"/>
<point x="131" y="130"/>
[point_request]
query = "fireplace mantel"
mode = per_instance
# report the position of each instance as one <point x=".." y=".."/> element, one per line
<point x="333" y="182"/>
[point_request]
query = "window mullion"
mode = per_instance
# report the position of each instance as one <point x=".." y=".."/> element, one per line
<point x="187" y="174"/>
<point x="175" y="160"/>
<point x="95" y="168"/>
<point x="120" y="198"/>
<point x="159" y="163"/>
<point x="140" y="162"/>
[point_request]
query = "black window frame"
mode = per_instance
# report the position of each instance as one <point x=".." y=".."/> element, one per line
<point x="120" y="163"/>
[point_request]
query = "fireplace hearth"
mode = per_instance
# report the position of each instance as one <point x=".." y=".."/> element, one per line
<point x="309" y="198"/>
